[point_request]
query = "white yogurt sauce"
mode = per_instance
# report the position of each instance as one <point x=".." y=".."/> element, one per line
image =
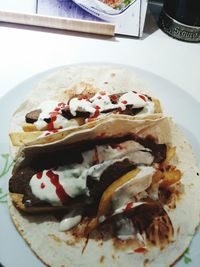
<point x="128" y="205"/>
<point x="73" y="177"/>
<point x="48" y="192"/>
<point x="122" y="201"/>
<point x="46" y="107"/>
<point x="80" y="105"/>
<point x="133" y="99"/>
<point x="103" y="101"/>
<point x="147" y="110"/>
<point x="100" y="101"/>
<point x="64" y="123"/>
<point x="129" y="149"/>
<point x="134" y="186"/>
<point x="70" y="220"/>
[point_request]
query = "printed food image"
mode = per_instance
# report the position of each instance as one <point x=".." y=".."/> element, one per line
<point x="116" y="189"/>
<point x="117" y="4"/>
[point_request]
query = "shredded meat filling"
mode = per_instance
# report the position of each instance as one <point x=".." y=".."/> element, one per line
<point x="152" y="220"/>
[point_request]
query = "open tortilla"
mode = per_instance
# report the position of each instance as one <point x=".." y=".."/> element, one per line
<point x="70" y="83"/>
<point x="70" y="248"/>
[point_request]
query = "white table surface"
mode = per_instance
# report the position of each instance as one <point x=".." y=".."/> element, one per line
<point x="25" y="51"/>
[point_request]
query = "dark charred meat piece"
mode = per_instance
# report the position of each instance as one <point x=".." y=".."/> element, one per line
<point x="115" y="98"/>
<point x="82" y="114"/>
<point x="158" y="150"/>
<point x="130" y="110"/>
<point x="21" y="181"/>
<point x="143" y="216"/>
<point x="111" y="174"/>
<point x="135" y="111"/>
<point x="149" y="97"/>
<point x="66" y="113"/>
<point x="109" y="110"/>
<point x="165" y="194"/>
<point x="33" y="116"/>
<point x="20" y="185"/>
<point x="153" y="220"/>
<point x="79" y="114"/>
<point x="127" y="111"/>
<point x="47" y="120"/>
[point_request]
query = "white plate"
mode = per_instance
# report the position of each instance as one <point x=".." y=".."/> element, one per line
<point x="181" y="106"/>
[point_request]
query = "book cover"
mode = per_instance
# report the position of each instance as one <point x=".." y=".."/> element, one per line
<point x="127" y="15"/>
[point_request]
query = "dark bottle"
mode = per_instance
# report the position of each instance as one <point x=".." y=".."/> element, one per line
<point x="181" y="19"/>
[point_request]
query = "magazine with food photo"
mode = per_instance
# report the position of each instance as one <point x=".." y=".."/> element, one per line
<point x="127" y="15"/>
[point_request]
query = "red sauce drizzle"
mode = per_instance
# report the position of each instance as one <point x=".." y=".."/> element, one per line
<point x="102" y="134"/>
<point x="39" y="175"/>
<point x="52" y="131"/>
<point x="96" y="114"/>
<point x="129" y="206"/>
<point x="90" y="119"/>
<point x="113" y="98"/>
<point x="42" y="185"/>
<point x="124" y="102"/>
<point x="142" y="97"/>
<point x="117" y="146"/>
<point x="54" y="179"/>
<point x="53" y="116"/>
<point x="140" y="250"/>
<point x="50" y="125"/>
<point x="95" y="158"/>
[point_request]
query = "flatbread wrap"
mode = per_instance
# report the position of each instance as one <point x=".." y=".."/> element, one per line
<point x="108" y="200"/>
<point x="73" y="100"/>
